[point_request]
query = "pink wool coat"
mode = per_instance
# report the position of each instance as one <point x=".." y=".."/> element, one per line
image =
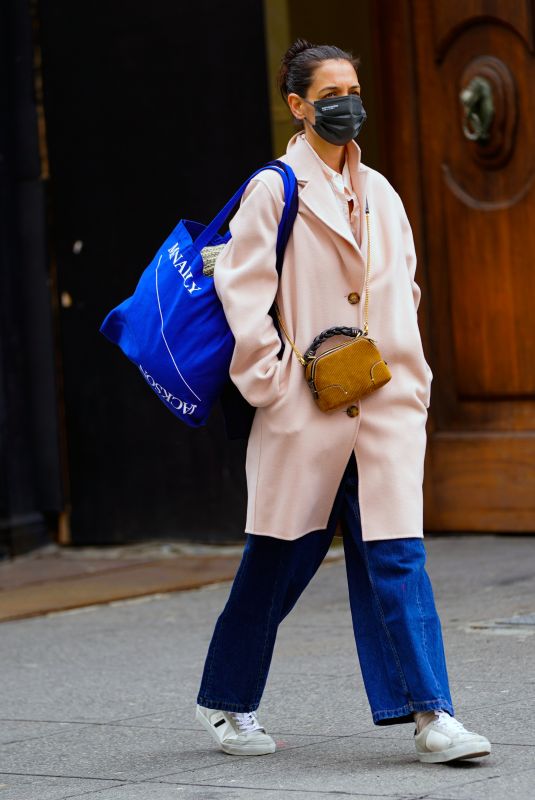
<point x="296" y="454"/>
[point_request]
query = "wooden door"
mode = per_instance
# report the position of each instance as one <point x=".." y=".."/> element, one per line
<point x="471" y="202"/>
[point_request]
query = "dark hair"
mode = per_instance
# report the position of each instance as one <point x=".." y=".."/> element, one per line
<point x="300" y="61"/>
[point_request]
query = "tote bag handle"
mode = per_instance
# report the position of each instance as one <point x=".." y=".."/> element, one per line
<point x="288" y="215"/>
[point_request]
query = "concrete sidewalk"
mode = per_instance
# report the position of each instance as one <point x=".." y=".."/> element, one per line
<point x="99" y="702"/>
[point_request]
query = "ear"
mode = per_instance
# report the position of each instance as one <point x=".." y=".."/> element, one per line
<point x="297" y="105"/>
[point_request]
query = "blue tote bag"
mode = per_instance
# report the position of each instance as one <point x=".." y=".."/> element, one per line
<point x="173" y="328"/>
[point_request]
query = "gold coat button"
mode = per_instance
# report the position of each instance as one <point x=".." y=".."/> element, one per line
<point x="352" y="411"/>
<point x="353" y="298"/>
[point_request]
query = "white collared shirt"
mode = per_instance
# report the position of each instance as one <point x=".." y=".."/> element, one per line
<point x="343" y="192"/>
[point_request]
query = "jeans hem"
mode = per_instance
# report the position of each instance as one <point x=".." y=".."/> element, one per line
<point x="221" y="705"/>
<point x="395" y="716"/>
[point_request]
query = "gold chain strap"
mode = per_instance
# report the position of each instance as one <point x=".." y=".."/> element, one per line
<point x="366" y="288"/>
<point x="368" y="262"/>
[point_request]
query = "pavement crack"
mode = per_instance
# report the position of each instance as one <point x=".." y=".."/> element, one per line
<point x="433" y="796"/>
<point x="97" y="791"/>
<point x="285" y="789"/>
<point x="54" y="775"/>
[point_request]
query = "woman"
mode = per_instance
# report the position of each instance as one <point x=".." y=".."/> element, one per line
<point x="301" y="465"/>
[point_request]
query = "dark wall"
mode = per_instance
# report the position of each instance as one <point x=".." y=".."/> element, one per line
<point x="155" y="111"/>
<point x="30" y="484"/>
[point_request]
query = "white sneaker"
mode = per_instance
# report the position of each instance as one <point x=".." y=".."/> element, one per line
<point x="445" y="739"/>
<point x="239" y="734"/>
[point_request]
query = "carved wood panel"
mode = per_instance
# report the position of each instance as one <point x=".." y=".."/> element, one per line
<point x="457" y="80"/>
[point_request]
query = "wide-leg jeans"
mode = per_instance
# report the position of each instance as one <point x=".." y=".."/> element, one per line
<point x="396" y="625"/>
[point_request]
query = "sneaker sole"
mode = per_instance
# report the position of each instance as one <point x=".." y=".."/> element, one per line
<point x="252" y="750"/>
<point x="460" y="752"/>
<point x="232" y="750"/>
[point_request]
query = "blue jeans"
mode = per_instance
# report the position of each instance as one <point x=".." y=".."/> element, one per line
<point x="396" y="626"/>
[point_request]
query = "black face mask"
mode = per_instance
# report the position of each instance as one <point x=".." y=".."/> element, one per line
<point x="338" y="119"/>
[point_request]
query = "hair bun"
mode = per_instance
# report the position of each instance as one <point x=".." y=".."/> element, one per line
<point x="295" y="49"/>
<point x="299" y="46"/>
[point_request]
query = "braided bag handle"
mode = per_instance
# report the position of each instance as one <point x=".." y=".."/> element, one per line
<point x="326" y="334"/>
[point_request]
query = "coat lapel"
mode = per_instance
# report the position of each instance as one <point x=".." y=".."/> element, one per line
<point x="316" y="192"/>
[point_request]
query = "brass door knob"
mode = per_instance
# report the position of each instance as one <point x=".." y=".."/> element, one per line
<point x="478" y="105"/>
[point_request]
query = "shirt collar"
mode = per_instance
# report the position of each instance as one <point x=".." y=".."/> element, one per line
<point x="330" y="173"/>
<point x="347" y="175"/>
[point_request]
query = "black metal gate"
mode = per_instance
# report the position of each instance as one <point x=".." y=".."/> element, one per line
<point x="30" y="483"/>
<point x="154" y="111"/>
